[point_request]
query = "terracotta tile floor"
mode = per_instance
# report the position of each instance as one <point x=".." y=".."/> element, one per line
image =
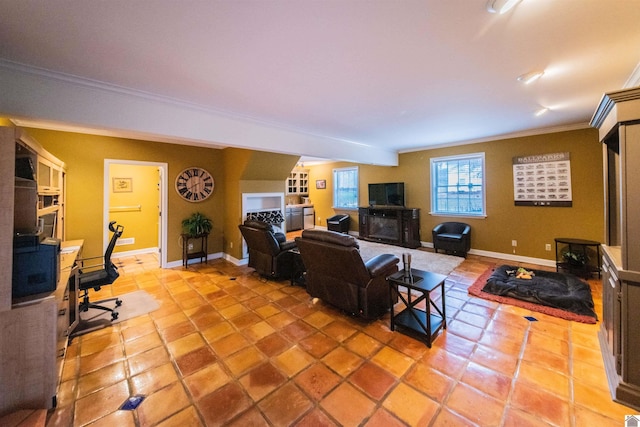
<point x="227" y="347"/>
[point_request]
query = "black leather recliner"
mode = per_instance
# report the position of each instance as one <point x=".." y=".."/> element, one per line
<point x="337" y="274"/>
<point x="268" y="250"/>
<point x="452" y="237"/>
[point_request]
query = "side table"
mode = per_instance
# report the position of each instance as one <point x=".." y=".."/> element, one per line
<point x="298" y="269"/>
<point x="413" y="320"/>
<point x="581" y="263"/>
<point x="202" y="253"/>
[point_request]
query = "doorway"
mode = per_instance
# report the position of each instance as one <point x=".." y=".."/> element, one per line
<point x="135" y="195"/>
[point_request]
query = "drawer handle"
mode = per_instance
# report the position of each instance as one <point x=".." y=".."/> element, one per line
<point x="61" y="352"/>
<point x="62" y="312"/>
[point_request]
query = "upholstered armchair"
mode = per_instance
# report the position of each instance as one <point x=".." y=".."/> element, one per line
<point x="452" y="237"/>
<point x="269" y="252"/>
<point x="337" y="274"/>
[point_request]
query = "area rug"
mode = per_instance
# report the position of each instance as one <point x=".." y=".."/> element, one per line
<point x="422" y="260"/>
<point x="556" y="294"/>
<point x="133" y="304"/>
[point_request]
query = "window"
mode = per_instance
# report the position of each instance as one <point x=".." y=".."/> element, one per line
<point x="457" y="185"/>
<point x="345" y="188"/>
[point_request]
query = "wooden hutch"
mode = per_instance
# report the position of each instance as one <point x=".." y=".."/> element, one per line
<point x="34" y="329"/>
<point x="618" y="120"/>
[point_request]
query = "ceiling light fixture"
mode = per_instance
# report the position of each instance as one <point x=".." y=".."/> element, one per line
<point x="501" y="6"/>
<point x="530" y="77"/>
<point x="541" y="111"/>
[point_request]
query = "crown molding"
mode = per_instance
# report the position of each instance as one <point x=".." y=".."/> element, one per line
<point x="520" y="134"/>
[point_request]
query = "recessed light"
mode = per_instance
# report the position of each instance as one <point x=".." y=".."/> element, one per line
<point x="501" y="6"/>
<point x="530" y="77"/>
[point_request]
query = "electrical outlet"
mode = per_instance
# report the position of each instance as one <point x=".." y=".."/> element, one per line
<point x="231" y="245"/>
<point x="547" y="247"/>
<point x="190" y="246"/>
<point x="514" y="243"/>
<point x="319" y="220"/>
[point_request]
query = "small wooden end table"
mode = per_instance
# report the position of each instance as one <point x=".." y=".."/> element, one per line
<point x="413" y="320"/>
<point x="202" y="253"/>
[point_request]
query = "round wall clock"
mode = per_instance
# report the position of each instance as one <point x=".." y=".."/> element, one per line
<point x="194" y="184"/>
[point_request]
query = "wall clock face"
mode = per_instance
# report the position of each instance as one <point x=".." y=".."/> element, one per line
<point x="194" y="184"/>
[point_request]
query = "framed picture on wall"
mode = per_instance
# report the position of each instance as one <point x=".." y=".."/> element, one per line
<point x="321" y="184"/>
<point x="122" y="185"/>
<point x="542" y="180"/>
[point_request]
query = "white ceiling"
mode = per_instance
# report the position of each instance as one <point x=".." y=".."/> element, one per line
<point x="392" y="75"/>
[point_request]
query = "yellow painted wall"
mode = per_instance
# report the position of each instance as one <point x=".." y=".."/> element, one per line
<point x="237" y="171"/>
<point x="248" y="171"/>
<point x="84" y="156"/>
<point x="532" y="227"/>
<point x="137" y="210"/>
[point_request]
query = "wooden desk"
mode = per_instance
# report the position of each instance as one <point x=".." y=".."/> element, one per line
<point x="30" y="371"/>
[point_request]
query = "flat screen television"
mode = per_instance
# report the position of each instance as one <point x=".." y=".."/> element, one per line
<point x="386" y="194"/>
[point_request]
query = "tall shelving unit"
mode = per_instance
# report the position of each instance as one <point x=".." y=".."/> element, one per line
<point x="33" y="329"/>
<point x="618" y="122"/>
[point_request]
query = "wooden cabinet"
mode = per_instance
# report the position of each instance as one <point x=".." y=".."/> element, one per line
<point x="298" y="182"/>
<point x="39" y="188"/>
<point x="617" y="119"/>
<point x="294" y="218"/>
<point x="49" y="176"/>
<point x="396" y="226"/>
<point x="34" y="329"/>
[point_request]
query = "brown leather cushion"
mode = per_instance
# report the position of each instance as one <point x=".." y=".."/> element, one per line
<point x="259" y="225"/>
<point x="332" y="237"/>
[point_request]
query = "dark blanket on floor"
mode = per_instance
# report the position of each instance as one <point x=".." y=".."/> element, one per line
<point x="557" y="290"/>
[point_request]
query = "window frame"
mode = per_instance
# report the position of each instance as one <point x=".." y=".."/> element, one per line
<point x="335" y="189"/>
<point x="433" y="187"/>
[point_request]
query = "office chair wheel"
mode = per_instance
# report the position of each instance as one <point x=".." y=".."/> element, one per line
<point x="114" y="315"/>
<point x="118" y="302"/>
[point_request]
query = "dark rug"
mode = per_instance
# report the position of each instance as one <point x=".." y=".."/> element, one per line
<point x="134" y="304"/>
<point x="556" y="294"/>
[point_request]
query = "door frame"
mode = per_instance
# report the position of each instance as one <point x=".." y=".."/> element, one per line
<point x="162" y="235"/>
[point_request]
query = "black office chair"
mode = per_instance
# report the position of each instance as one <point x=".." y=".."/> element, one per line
<point x="94" y="276"/>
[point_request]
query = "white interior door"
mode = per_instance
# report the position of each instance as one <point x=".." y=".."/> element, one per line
<point x="159" y="187"/>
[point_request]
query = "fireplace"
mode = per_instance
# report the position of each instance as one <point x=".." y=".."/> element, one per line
<point x="397" y="226"/>
<point x="384" y="228"/>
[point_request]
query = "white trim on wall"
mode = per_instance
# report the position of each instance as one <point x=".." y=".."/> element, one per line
<point x="163" y="168"/>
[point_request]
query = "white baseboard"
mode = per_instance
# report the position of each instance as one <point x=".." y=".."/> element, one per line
<point x="178" y="263"/>
<point x="135" y="252"/>
<point x="508" y="257"/>
<point x="239" y="262"/>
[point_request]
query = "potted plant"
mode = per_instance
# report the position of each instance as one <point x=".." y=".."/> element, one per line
<point x="196" y="225"/>
<point x="575" y="258"/>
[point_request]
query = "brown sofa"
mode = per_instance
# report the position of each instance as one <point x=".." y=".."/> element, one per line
<point x="337" y="274"/>
<point x="268" y="251"/>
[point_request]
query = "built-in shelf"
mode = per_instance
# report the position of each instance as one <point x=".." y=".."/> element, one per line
<point x="298" y="182"/>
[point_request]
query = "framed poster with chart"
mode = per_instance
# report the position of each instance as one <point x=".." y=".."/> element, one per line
<point x="542" y="180"/>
